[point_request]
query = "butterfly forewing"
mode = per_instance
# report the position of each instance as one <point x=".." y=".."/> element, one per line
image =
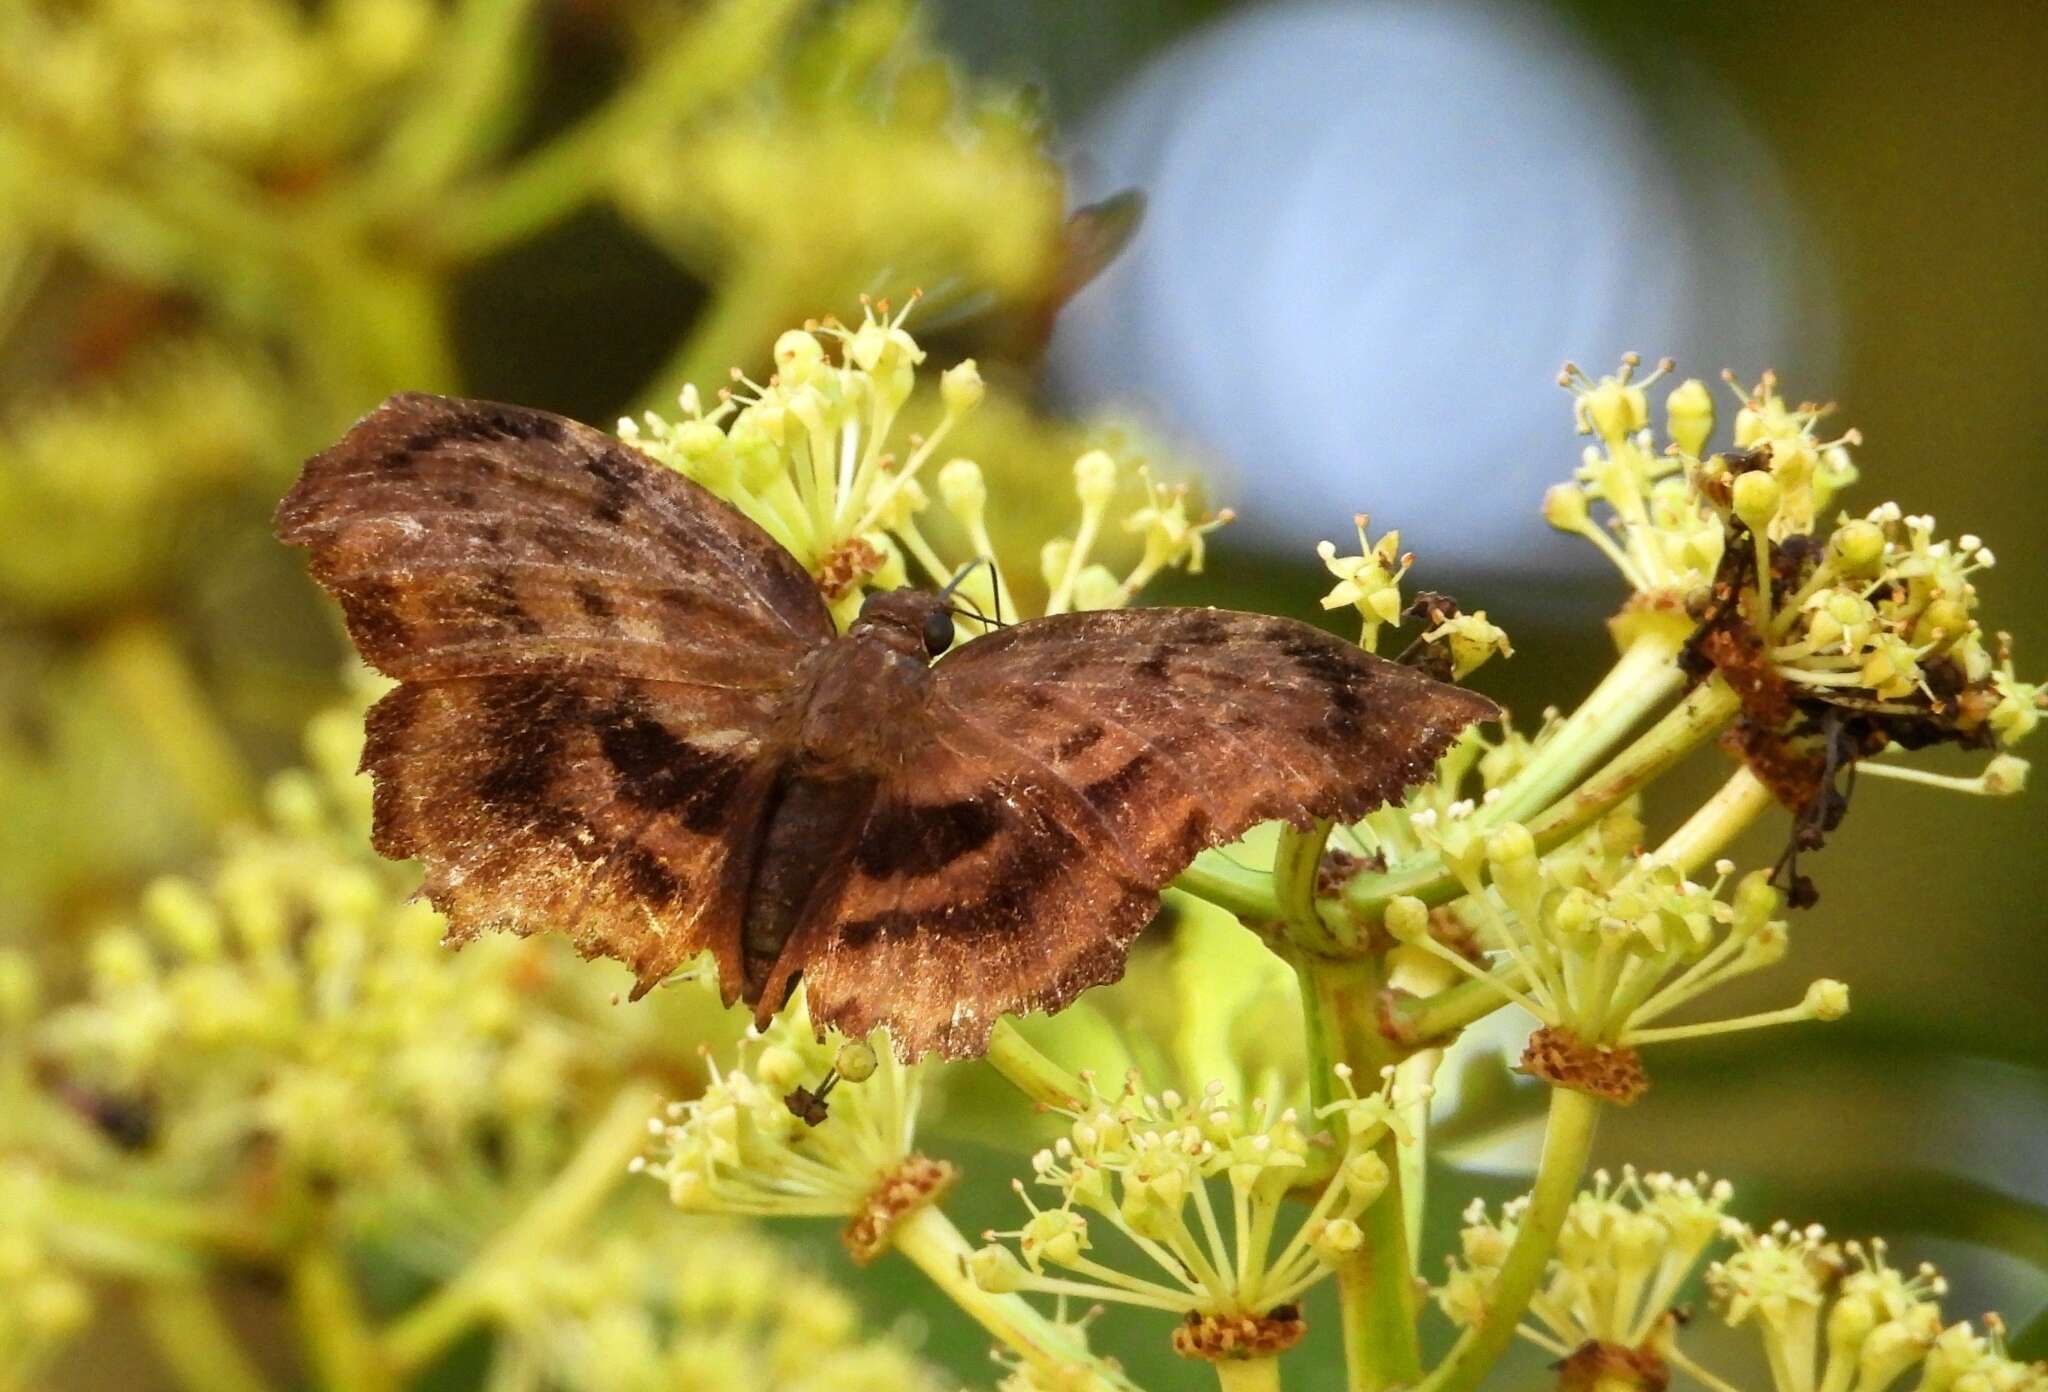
<point x="595" y="660"/>
<point x="465" y="538"/>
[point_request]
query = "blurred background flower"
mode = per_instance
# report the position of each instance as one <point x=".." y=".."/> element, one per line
<point x="1373" y="232"/>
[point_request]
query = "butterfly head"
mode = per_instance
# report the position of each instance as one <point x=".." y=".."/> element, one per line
<point x="908" y="616"/>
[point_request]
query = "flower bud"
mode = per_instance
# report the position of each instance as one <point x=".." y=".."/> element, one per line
<point x="1857" y="546"/>
<point x="797" y="356"/>
<point x="1365" y="1175"/>
<point x="120" y="959"/>
<point x="1053" y="558"/>
<point x="1407" y="919"/>
<point x="1337" y="1239"/>
<point x="1828" y="999"/>
<point x="995" y="1269"/>
<point x="961" y="387"/>
<point x="1565" y="507"/>
<point x="963" y="489"/>
<point x="1756" y="497"/>
<point x="1097" y="587"/>
<point x="1689" y="416"/>
<point x="856" y="1061"/>
<point x="2004" y="776"/>
<point x="1095" y="478"/>
<point x="1757" y="900"/>
<point x="184" y="917"/>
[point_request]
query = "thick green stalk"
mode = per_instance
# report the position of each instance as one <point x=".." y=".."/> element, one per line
<point x="554" y="1216"/>
<point x="199" y="1351"/>
<point x="338" y="1338"/>
<point x="1646" y="676"/>
<point x="1408" y="1021"/>
<point x="1567" y="1141"/>
<point x="452" y="117"/>
<point x="929" y="1239"/>
<point x="1248" y="1375"/>
<point x="1030" y="1071"/>
<point x="1376" y="1294"/>
<point x="724" y="47"/>
<point x="1234" y="888"/>
<point x="1718" y="820"/>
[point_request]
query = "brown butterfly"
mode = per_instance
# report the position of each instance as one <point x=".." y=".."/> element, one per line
<point x="623" y="712"/>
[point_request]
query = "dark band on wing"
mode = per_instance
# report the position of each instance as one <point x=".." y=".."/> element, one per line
<point x="920" y="840"/>
<point x="1030" y="870"/>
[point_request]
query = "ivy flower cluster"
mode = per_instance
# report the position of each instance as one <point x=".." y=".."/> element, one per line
<point x="714" y="1308"/>
<point x="1870" y="620"/>
<point x="811" y="455"/>
<point x="1829" y="1315"/>
<point x="802" y="1126"/>
<point x="278" y="1061"/>
<point x="296" y="1004"/>
<point x="1600" y="945"/>
<point x="1143" y="1166"/>
<point x="262" y="81"/>
<point x="47" y="1303"/>
<point x="1840" y="1315"/>
<point x="1607" y="1303"/>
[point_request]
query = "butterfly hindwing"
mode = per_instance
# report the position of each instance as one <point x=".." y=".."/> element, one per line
<point x="594" y="659"/>
<point x="976" y="887"/>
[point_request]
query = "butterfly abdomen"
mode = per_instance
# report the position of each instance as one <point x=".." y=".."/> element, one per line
<point x="812" y="820"/>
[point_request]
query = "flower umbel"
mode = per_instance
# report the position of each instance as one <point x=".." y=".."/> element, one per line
<point x="747" y="1146"/>
<point x="1601" y="944"/>
<point x="811" y="456"/>
<point x="1143" y="1165"/>
<point x="1624" y="1251"/>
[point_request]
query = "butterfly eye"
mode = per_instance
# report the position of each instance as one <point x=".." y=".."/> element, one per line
<point x="938" y="632"/>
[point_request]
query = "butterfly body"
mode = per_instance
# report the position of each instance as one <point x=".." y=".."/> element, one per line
<point x="623" y="713"/>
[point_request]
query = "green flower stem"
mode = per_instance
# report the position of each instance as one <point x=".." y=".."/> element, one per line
<point x="1030" y="1071"/>
<point x="731" y="44"/>
<point x="1409" y="1021"/>
<point x="199" y="1350"/>
<point x="1646" y="676"/>
<point x="1709" y="706"/>
<point x="929" y="1239"/>
<point x="1718" y="820"/>
<point x="339" y="1341"/>
<point x="455" y="114"/>
<point x="756" y="297"/>
<point x="1567" y="1141"/>
<point x="1248" y="1375"/>
<point x="1234" y="888"/>
<point x="554" y="1216"/>
<point x="150" y="1236"/>
<point x="1376" y="1292"/>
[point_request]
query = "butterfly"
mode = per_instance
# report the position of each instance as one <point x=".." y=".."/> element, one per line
<point x="623" y="712"/>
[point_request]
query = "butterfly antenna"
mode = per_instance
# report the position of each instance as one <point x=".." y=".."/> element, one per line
<point x="995" y="586"/>
<point x="960" y="575"/>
